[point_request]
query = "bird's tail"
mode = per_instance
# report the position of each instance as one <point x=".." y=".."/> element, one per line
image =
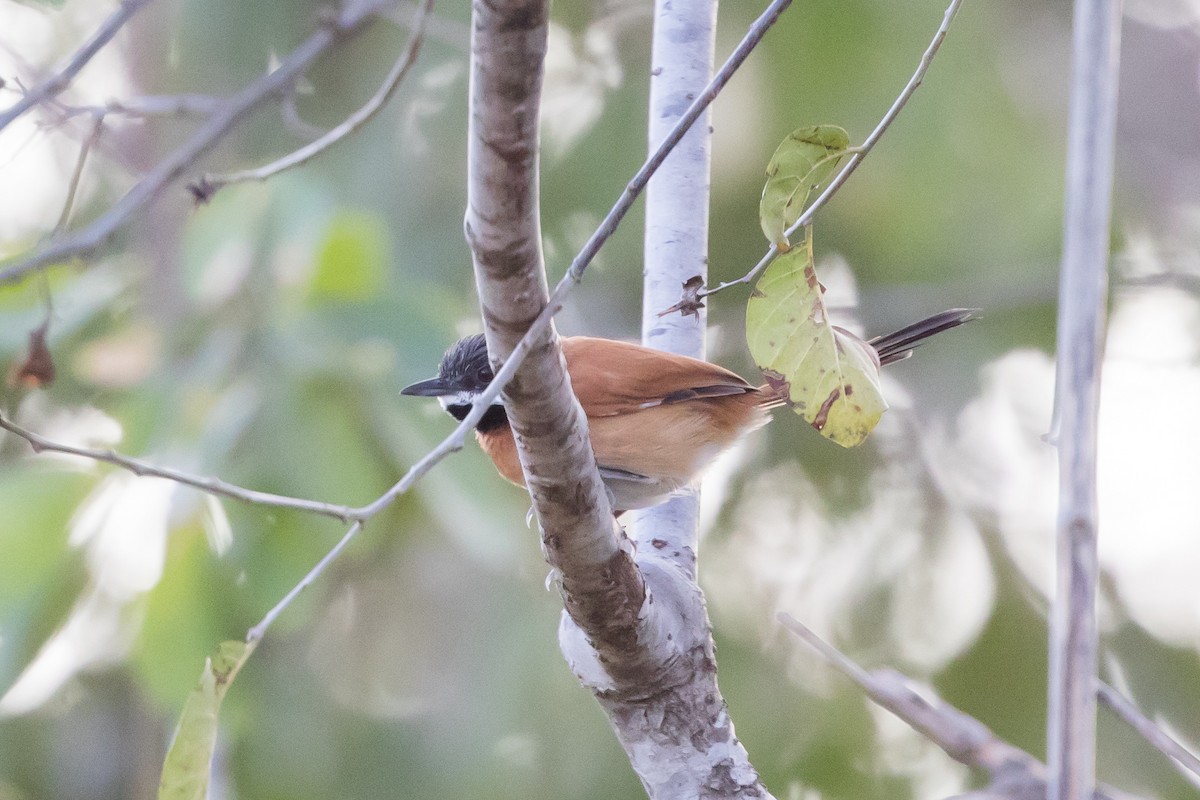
<point x="893" y="347"/>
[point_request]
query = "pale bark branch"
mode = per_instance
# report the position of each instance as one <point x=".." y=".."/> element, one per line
<point x="676" y="236"/>
<point x="858" y="154"/>
<point x="56" y="83"/>
<point x="209" y="184"/>
<point x="1013" y="773"/>
<point x="1071" y="722"/>
<point x="89" y="239"/>
<point x="680" y="740"/>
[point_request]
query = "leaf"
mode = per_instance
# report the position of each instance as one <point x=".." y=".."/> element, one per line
<point x="826" y="374"/>
<point x="37" y="370"/>
<point x="352" y="259"/>
<point x="188" y="763"/>
<point x="801" y="162"/>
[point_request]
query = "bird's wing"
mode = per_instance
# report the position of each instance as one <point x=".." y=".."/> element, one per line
<point x="611" y="377"/>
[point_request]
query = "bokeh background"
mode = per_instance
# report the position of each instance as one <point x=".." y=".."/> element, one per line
<point x="263" y="338"/>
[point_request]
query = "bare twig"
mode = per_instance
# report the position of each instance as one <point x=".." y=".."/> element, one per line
<point x="232" y="111"/>
<point x="859" y="153"/>
<point x="213" y="183"/>
<point x="635" y="186"/>
<point x="60" y="80"/>
<point x="1181" y="758"/>
<point x="1083" y="283"/>
<point x="215" y="486"/>
<point x="153" y="105"/>
<point x="1013" y="773"/>
<point x="258" y="631"/>
<point x="77" y="174"/>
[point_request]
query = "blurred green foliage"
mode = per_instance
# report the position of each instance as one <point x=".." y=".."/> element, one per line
<point x="263" y="338"/>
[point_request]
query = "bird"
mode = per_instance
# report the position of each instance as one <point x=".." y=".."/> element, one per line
<point x="655" y="419"/>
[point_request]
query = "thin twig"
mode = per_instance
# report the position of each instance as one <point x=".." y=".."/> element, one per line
<point x="450" y="444"/>
<point x="1181" y="758"/>
<point x="213" y="183"/>
<point x="859" y="153"/>
<point x="258" y="631"/>
<point x="95" y="235"/>
<point x="156" y="105"/>
<point x="215" y="486"/>
<point x="59" y="81"/>
<point x="143" y="107"/>
<point x="635" y="186"/>
<point x="77" y="174"/>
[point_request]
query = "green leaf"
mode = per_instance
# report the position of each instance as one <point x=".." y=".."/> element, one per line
<point x="352" y="258"/>
<point x="827" y="375"/>
<point x="186" y="769"/>
<point x="801" y="162"/>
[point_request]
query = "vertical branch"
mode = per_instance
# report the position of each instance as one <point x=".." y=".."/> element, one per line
<point x="1071" y="730"/>
<point x="676" y="248"/>
<point x="680" y="741"/>
<point x="602" y="588"/>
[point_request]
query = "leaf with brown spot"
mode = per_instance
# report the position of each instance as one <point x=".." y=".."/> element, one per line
<point x="814" y="365"/>
<point x="801" y="163"/>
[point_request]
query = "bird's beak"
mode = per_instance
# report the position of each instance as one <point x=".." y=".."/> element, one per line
<point x="434" y="387"/>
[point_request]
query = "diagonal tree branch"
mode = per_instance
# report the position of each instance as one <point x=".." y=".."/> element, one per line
<point x="88" y="240"/>
<point x="1013" y="773"/>
<point x="209" y="184"/>
<point x="60" y="80"/>
<point x="1184" y="760"/>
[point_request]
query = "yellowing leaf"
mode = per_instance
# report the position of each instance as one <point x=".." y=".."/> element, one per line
<point x="828" y="375"/>
<point x="801" y="162"/>
<point x="186" y="768"/>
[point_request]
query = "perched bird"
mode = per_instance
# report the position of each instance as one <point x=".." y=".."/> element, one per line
<point x="656" y="419"/>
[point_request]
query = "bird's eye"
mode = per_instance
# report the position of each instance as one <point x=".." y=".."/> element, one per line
<point x="484" y="375"/>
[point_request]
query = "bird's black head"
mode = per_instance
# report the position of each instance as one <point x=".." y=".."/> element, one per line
<point x="463" y="374"/>
<point x="466" y="366"/>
